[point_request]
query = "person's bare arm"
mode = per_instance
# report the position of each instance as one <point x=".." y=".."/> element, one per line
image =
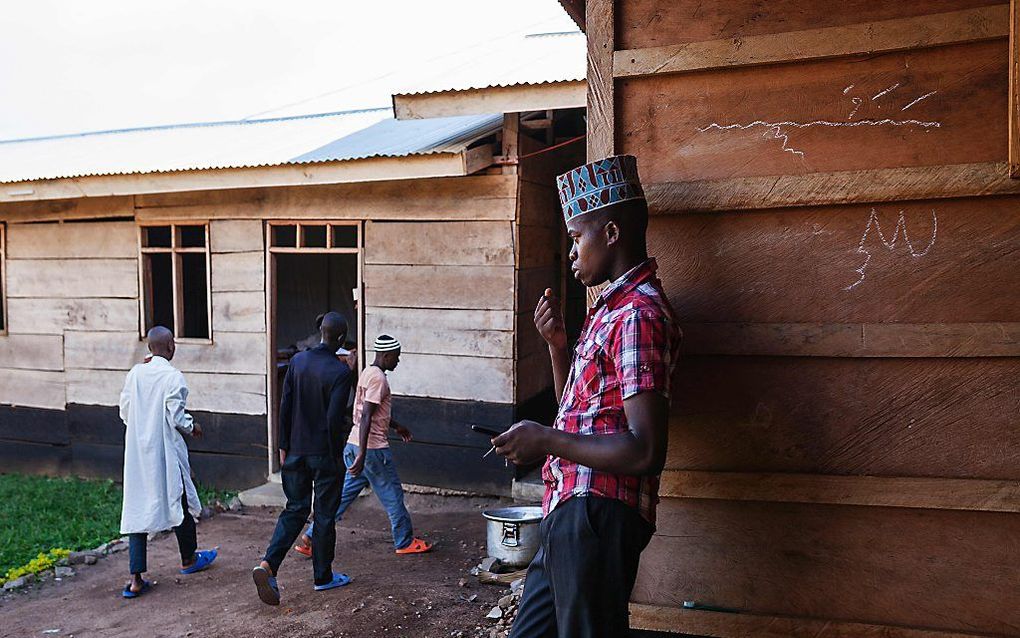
<point x="549" y="321"/>
<point x="640" y="451"/>
<point x="366" y="421"/>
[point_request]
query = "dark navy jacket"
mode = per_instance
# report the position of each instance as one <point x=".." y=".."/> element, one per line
<point x="314" y="403"/>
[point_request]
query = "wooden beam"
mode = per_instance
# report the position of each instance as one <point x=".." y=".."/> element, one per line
<point x="841" y="187"/>
<point x="67" y="209"/>
<point x="874" y="491"/>
<point x="954" y="27"/>
<point x="1014" y="89"/>
<point x="511" y="142"/>
<point x="362" y="170"/>
<point x="732" y="625"/>
<point x="496" y="99"/>
<point x="853" y="339"/>
<point x="601" y="100"/>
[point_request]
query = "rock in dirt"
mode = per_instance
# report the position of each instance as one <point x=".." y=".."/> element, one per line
<point x="490" y="564"/>
<point x="90" y="559"/>
<point x="495" y="614"/>
<point x="63" y="572"/>
<point x="16" y="583"/>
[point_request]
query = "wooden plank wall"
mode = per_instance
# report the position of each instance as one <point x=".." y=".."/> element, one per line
<point x="835" y="227"/>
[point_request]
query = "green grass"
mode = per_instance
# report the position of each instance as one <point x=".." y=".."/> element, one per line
<point x="39" y="513"/>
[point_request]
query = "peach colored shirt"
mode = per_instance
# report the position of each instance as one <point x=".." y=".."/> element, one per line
<point x="374" y="388"/>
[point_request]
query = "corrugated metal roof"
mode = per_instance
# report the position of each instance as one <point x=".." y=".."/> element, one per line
<point x="238" y="144"/>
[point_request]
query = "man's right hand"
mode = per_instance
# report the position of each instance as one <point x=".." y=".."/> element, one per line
<point x="358" y="465"/>
<point x="549" y="321"/>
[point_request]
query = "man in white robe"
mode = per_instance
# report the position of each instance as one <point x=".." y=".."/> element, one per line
<point x="158" y="491"/>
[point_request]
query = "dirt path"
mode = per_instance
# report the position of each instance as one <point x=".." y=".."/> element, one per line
<point x="413" y="596"/>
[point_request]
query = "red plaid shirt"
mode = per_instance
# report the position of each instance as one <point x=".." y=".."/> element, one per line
<point x="629" y="344"/>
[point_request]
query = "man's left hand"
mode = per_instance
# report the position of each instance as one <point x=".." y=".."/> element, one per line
<point x="196" y="430"/>
<point x="405" y="434"/>
<point x="524" y="443"/>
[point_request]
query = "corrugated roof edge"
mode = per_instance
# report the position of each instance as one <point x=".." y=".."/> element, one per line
<point x="491" y="86"/>
<point x="168" y="127"/>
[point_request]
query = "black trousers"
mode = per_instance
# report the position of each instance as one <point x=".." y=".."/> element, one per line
<point x="301" y="476"/>
<point x="580" y="581"/>
<point x="187" y="541"/>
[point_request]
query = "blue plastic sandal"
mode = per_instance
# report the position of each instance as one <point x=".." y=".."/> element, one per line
<point x="339" y="580"/>
<point x="203" y="559"/>
<point x="265" y="585"/>
<point x="127" y="593"/>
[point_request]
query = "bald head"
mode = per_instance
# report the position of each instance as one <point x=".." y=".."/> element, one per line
<point x="333" y="329"/>
<point x="161" y="342"/>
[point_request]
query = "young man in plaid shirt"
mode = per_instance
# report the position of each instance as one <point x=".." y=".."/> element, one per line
<point x="608" y="445"/>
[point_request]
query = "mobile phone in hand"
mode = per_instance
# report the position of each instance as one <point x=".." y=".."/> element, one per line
<point x="486" y="431"/>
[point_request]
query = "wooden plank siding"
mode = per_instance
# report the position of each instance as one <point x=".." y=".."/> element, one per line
<point x="835" y="224"/>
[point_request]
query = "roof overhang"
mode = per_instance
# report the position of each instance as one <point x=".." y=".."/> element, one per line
<point x="575" y="9"/>
<point x="496" y="99"/>
<point x="371" y="169"/>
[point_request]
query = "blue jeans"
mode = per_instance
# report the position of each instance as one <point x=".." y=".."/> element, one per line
<point x="381" y="474"/>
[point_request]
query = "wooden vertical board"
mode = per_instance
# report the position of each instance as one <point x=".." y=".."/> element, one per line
<point x="943" y="570"/>
<point x="1014" y="89"/>
<point x="235" y="235"/>
<point x="83" y="240"/>
<point x="72" y="278"/>
<point x="32" y="388"/>
<point x="511" y="142"/>
<point x="909" y="417"/>
<point x="898" y="110"/>
<point x="601" y="31"/>
<point x="439" y="243"/>
<point x="915" y="262"/>
<point x="32" y="352"/>
<point x="653" y="23"/>
<point x="54" y="316"/>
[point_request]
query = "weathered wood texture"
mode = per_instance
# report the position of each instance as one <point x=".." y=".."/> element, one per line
<point x="917" y="493"/>
<point x="690" y="127"/>
<point x="32" y="352"/>
<point x="73" y="278"/>
<point x="439" y="243"/>
<point x="454" y="377"/>
<point x="236" y="236"/>
<point x="475" y="333"/>
<point x="54" y="316"/>
<point x="970" y="25"/>
<point x="599" y="26"/>
<point x="722" y="625"/>
<point x="451" y="287"/>
<point x="230" y="352"/>
<point x="929" y="569"/>
<point x="909" y="417"/>
<point x="487" y="197"/>
<point x="223" y="393"/>
<point x="238" y="272"/>
<point x="953" y="261"/>
<point x="1014" y="89"/>
<point x="854" y="339"/>
<point x="86" y="240"/>
<point x="653" y="23"/>
<point x="239" y="312"/>
<point x="32" y="388"/>
<point x="68" y="209"/>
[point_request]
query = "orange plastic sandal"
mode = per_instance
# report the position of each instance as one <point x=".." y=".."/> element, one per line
<point x="417" y="546"/>
<point x="304" y="550"/>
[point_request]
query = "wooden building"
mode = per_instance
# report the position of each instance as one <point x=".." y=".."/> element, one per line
<point x="836" y="224"/>
<point x="442" y="229"/>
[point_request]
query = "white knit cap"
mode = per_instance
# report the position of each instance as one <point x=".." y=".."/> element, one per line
<point x="386" y="343"/>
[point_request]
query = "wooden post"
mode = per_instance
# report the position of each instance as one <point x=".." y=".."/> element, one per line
<point x="511" y="141"/>
<point x="600" y="21"/>
<point x="1014" y="90"/>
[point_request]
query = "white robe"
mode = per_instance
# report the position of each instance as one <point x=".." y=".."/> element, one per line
<point x="156" y="468"/>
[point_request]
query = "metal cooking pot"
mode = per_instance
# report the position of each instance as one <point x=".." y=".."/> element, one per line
<point x="512" y="534"/>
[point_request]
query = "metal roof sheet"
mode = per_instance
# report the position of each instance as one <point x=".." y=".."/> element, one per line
<point x="238" y="144"/>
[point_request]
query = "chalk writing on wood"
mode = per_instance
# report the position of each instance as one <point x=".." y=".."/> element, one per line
<point x="890" y="243"/>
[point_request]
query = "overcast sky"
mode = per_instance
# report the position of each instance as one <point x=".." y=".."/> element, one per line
<point x="70" y="66"/>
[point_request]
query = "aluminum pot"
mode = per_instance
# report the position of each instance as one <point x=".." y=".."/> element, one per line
<point x="512" y="534"/>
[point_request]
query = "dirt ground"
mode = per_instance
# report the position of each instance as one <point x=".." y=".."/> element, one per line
<point x="417" y="596"/>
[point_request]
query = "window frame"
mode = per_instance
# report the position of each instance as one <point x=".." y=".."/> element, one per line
<point x="175" y="251"/>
